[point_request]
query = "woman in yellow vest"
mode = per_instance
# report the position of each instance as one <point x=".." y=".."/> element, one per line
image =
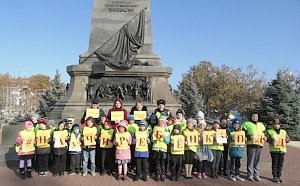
<point x="277" y="139"/>
<point x="25" y="148"/>
<point x="177" y="151"/>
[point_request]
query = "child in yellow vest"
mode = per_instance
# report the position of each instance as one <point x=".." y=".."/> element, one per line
<point x="177" y="152"/>
<point x="160" y="138"/>
<point x="74" y="150"/>
<point x="132" y="128"/>
<point x="106" y="133"/>
<point x="59" y="139"/>
<point x="141" y="153"/>
<point x="42" y="147"/>
<point x="216" y="149"/>
<point x="25" y="148"/>
<point x="89" y="146"/>
<point x="191" y="145"/>
<point x="122" y="142"/>
<point x="236" y="152"/>
<point x="277" y="139"/>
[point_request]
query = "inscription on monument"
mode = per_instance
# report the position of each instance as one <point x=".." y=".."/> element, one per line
<point x="121" y="6"/>
<point x="107" y="89"/>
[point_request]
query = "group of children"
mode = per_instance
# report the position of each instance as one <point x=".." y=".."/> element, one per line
<point x="169" y="144"/>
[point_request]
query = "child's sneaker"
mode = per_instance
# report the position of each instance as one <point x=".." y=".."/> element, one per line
<point x="71" y="173"/>
<point x="232" y="178"/>
<point x="93" y="173"/>
<point x="84" y="174"/>
<point x="163" y="178"/>
<point x="204" y="175"/>
<point x="199" y="175"/>
<point x="125" y="177"/>
<point x="238" y="178"/>
<point x="119" y="176"/>
<point x="157" y="179"/>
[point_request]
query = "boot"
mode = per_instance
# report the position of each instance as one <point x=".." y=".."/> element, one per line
<point x="119" y="176"/>
<point x="22" y="173"/>
<point x="186" y="168"/>
<point x="190" y="170"/>
<point x="173" y="175"/>
<point x="29" y="175"/>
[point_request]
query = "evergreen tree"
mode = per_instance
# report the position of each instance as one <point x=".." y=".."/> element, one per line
<point x="51" y="96"/>
<point x="281" y="101"/>
<point x="191" y="99"/>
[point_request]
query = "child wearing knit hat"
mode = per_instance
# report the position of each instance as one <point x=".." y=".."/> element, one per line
<point x="141" y="153"/>
<point x="122" y="142"/>
<point x="25" y="149"/>
<point x="74" y="149"/>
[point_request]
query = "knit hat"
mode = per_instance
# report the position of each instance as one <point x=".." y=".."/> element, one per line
<point x="176" y="126"/>
<point x="162" y="117"/>
<point x="161" y="101"/>
<point x="200" y="114"/>
<point x="51" y="122"/>
<point x="235" y="121"/>
<point x="143" y="122"/>
<point x="95" y="101"/>
<point x="75" y="126"/>
<point x="180" y="111"/>
<point x="190" y="120"/>
<point x="216" y="121"/>
<point x="122" y="123"/>
<point x="130" y="117"/>
<point x="42" y="121"/>
<point x="71" y="119"/>
<point x="90" y="118"/>
<point x="202" y="122"/>
<point x="107" y="124"/>
<point x="28" y="124"/>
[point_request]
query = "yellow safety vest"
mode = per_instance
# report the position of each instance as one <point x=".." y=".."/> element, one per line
<point x="282" y="135"/>
<point x="75" y="143"/>
<point x="192" y="137"/>
<point x="177" y="148"/>
<point x="253" y="129"/>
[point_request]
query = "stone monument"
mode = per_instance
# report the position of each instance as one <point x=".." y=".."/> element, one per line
<point x="119" y="63"/>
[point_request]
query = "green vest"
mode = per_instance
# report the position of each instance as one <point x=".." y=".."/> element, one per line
<point x="272" y="134"/>
<point x="132" y="128"/>
<point x="253" y="129"/>
<point x="160" y="145"/>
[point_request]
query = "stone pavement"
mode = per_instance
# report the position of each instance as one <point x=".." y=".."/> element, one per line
<point x="9" y="176"/>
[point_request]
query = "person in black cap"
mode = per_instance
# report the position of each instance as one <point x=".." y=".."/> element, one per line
<point x="161" y="110"/>
<point x="95" y="104"/>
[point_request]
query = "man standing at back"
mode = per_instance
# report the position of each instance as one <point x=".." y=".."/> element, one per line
<point x="254" y="131"/>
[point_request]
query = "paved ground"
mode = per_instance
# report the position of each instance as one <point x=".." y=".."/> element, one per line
<point x="291" y="175"/>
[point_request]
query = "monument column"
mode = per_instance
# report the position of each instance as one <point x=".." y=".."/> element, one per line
<point x="119" y="63"/>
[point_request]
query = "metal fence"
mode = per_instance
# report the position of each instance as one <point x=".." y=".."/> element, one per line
<point x="18" y="101"/>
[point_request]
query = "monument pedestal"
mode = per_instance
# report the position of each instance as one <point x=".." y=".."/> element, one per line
<point x="76" y="100"/>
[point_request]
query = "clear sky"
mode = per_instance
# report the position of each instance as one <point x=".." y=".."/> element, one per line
<point x="38" y="37"/>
